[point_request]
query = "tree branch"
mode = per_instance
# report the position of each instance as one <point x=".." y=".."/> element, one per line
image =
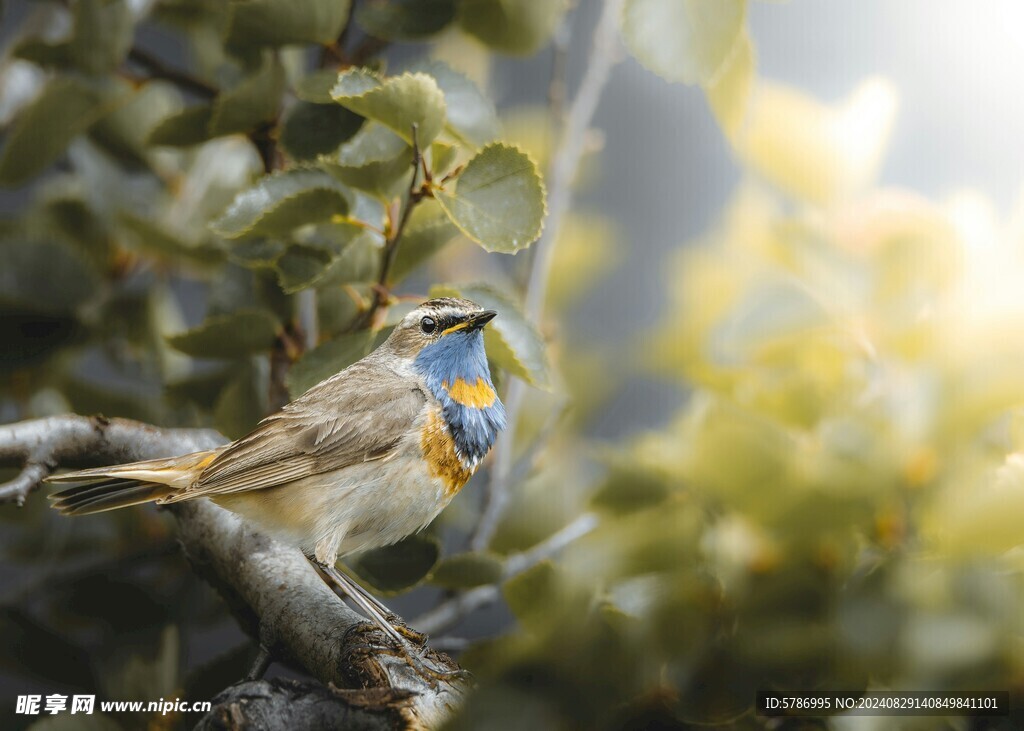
<point x="270" y="588"/>
<point x="283" y="703"/>
<point x="604" y="54"/>
<point x="417" y="192"/>
<point x="449" y="613"/>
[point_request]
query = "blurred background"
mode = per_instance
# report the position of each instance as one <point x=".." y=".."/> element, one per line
<point x="786" y="336"/>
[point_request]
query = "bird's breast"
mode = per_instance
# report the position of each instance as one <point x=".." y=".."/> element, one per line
<point x="440" y="453"/>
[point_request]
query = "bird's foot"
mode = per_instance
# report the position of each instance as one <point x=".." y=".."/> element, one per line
<point x="408" y="651"/>
<point x="417" y="638"/>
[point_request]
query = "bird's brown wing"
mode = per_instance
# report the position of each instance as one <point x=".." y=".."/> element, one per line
<point x="359" y="415"/>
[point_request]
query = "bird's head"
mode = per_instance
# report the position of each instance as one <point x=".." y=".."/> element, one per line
<point x="444" y="326"/>
<point x="444" y="340"/>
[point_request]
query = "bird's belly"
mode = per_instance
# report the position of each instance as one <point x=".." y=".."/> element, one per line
<point x="371" y="504"/>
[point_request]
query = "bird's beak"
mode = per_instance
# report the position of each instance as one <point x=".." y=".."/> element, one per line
<point x="474" y="322"/>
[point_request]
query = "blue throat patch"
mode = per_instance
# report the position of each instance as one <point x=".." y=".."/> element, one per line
<point x="455" y="369"/>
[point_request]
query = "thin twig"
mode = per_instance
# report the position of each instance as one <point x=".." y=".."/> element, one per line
<point x="604" y="54"/>
<point x="449" y="613"/>
<point x="159" y="70"/>
<point x="16" y="490"/>
<point x="417" y="192"/>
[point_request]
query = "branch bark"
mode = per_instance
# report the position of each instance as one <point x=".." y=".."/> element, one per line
<point x="270" y="588"/>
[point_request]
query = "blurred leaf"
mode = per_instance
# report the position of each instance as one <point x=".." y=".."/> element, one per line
<point x="397" y="102"/>
<point x="316" y="86"/>
<point x="102" y="34"/>
<point x="512" y="342"/>
<point x="498" y="200"/>
<point x="44" y="275"/>
<point x="244" y="401"/>
<point x="519" y="27"/>
<point x="188" y="127"/>
<point x="283" y="22"/>
<point x="38" y="51"/>
<point x="30" y="336"/>
<point x="629" y="488"/>
<point x="257" y="252"/>
<point x="124" y="133"/>
<point x="128" y="397"/>
<point x="65" y="108"/>
<point x="73" y="219"/>
<point x="256" y="99"/>
<point x="405" y="20"/>
<point x="153" y="238"/>
<point x="229" y="336"/>
<point x="310" y="130"/>
<point x="200" y="389"/>
<point x="281" y="202"/>
<point x="373" y="160"/>
<point x="467" y="570"/>
<point x="326" y="360"/>
<point x="300" y="267"/>
<point x="729" y="92"/>
<point x="337" y="308"/>
<point x="471" y="115"/>
<point x="425" y="235"/>
<point x="812" y="151"/>
<point x="400" y="566"/>
<point x="683" y="40"/>
<point x="529" y="594"/>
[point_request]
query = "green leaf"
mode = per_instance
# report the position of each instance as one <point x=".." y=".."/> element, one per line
<point x="326" y="360"/>
<point x="148" y="236"/>
<point x="399" y="566"/>
<point x="683" y="40"/>
<point x="200" y="389"/>
<point x="315" y="87"/>
<point x="498" y="199"/>
<point x="300" y="267"/>
<point x="188" y="127"/>
<point x="397" y="102"/>
<point x="47" y="55"/>
<point x="629" y="488"/>
<point x="518" y="27"/>
<point x="373" y="160"/>
<point x="467" y="570"/>
<point x="229" y="336"/>
<point x="44" y="275"/>
<point x="65" y="108"/>
<point x="528" y="595"/>
<point x="103" y="32"/>
<point x="279" y="203"/>
<point x="244" y="401"/>
<point x="257" y="253"/>
<point x="405" y="20"/>
<point x="471" y="115"/>
<point x="512" y="342"/>
<point x="310" y="130"/>
<point x="124" y="132"/>
<point x="252" y="102"/>
<point x="424" y="236"/>
<point x="284" y="22"/>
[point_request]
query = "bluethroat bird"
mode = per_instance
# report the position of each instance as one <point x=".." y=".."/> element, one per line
<point x="361" y="460"/>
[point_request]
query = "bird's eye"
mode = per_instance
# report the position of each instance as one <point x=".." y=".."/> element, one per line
<point x="428" y="325"/>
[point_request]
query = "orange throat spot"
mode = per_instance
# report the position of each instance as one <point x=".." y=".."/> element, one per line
<point x="478" y="395"/>
<point x="440" y="455"/>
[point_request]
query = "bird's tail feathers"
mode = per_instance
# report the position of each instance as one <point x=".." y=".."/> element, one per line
<point x="108" y="488"/>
